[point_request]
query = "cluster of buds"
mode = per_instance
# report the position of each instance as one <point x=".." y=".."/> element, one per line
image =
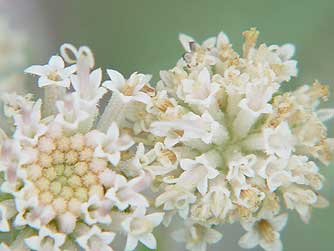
<point x="215" y="142"/>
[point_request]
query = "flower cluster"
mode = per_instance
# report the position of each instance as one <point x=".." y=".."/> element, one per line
<point x="245" y="151"/>
<point x="63" y="178"/>
<point x="215" y="142"/>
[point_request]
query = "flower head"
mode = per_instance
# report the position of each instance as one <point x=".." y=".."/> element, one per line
<point x="62" y="168"/>
<point x="216" y="141"/>
<point x="245" y="148"/>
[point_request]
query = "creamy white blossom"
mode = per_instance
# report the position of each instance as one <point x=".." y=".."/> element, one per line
<point x="216" y="142"/>
<point x="264" y="232"/>
<point x="46" y="240"/>
<point x="197" y="236"/>
<point x="139" y="227"/>
<point x="129" y="90"/>
<point x="54" y="73"/>
<point x="62" y="167"/>
<point x="95" y="239"/>
<point x="245" y="149"/>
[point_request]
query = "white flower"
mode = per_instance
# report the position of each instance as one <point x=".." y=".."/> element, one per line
<point x="279" y="141"/>
<point x="135" y="165"/>
<point x="216" y="142"/>
<point x="36" y="218"/>
<point x="70" y="113"/>
<point x="162" y="103"/>
<point x="241" y="167"/>
<point x="139" y="227"/>
<point x="305" y="172"/>
<point x="187" y="42"/>
<point x="264" y="232"/>
<point x="219" y="101"/>
<point x="46" y="240"/>
<point x="176" y="197"/>
<point x="125" y="193"/>
<point x="159" y="161"/>
<point x="278" y="58"/>
<point x="60" y="169"/>
<point x="14" y="103"/>
<point x="96" y="240"/>
<point x="197" y="236"/>
<point x="131" y="89"/>
<point x="28" y="122"/>
<point x="97" y="210"/>
<point x="199" y="91"/>
<point x="308" y="95"/>
<point x="300" y="199"/>
<point x="252" y="106"/>
<point x="248" y="196"/>
<point x="54" y="73"/>
<point x="216" y="203"/>
<point x="310" y="132"/>
<point x="219" y="199"/>
<point x="198" y="54"/>
<point x="87" y="86"/>
<point x="276" y="173"/>
<point x="197" y="173"/>
<point x="111" y="144"/>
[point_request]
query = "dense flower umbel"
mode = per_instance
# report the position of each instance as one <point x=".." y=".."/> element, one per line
<point x="244" y="151"/>
<point x="216" y="141"/>
<point x="64" y="181"/>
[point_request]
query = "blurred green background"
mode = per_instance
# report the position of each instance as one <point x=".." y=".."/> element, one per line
<point x="141" y="35"/>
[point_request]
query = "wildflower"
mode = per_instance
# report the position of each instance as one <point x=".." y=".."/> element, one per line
<point x="240" y="143"/>
<point x="139" y="227"/>
<point x="175" y="197"/>
<point x="61" y="170"/>
<point x="197" y="236"/>
<point x="131" y="89"/>
<point x="197" y="172"/>
<point x="264" y="232"/>
<point x="54" y="73"/>
<point x="96" y="238"/>
<point x="199" y="91"/>
<point x="46" y="239"/>
<point x="215" y="141"/>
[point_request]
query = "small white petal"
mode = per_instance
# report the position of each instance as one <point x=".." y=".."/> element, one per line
<point x="149" y="241"/>
<point x="131" y="243"/>
<point x="117" y="80"/>
<point x="57" y="62"/>
<point x="249" y="240"/>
